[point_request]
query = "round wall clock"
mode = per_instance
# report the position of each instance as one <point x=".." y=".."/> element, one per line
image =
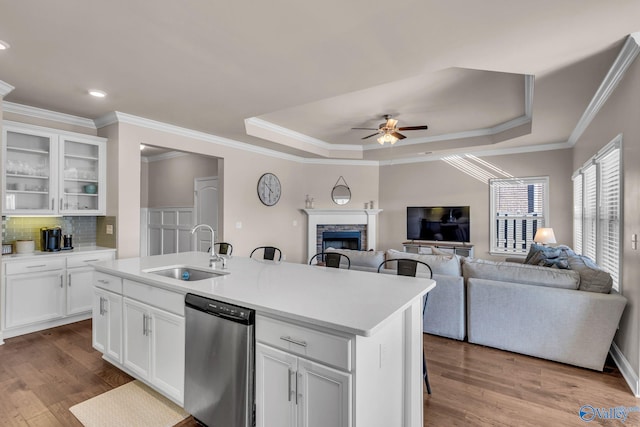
<point x="269" y="189"/>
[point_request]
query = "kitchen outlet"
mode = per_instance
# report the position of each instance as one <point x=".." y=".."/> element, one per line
<point x="109" y="229"/>
<point x="238" y="225"/>
<point x="634" y="242"/>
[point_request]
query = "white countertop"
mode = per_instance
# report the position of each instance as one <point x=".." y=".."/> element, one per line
<point x="39" y="254"/>
<point x="350" y="301"/>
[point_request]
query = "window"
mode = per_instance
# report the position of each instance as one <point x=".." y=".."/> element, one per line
<point x="597" y="207"/>
<point x="519" y="206"/>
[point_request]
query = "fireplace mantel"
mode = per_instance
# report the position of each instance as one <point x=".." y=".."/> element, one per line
<point x="341" y="216"/>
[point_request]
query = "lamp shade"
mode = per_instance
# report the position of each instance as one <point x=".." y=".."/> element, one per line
<point x="544" y="236"/>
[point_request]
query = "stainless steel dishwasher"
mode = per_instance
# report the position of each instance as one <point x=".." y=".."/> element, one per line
<point x="219" y="363"/>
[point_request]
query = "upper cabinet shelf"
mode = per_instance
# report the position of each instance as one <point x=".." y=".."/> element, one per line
<point x="51" y="172"/>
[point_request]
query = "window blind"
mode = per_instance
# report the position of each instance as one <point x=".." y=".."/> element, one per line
<point x="590" y="212"/>
<point x="597" y="230"/>
<point x="519" y="208"/>
<point x="609" y="213"/>
<point x="577" y="213"/>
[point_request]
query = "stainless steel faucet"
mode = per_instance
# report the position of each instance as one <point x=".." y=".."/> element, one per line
<point x="212" y="251"/>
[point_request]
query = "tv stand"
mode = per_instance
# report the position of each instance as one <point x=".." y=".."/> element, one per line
<point x="462" y="249"/>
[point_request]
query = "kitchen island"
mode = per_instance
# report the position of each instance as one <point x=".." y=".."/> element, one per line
<point x="363" y="332"/>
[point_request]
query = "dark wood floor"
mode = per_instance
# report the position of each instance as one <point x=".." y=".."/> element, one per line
<point x="44" y="373"/>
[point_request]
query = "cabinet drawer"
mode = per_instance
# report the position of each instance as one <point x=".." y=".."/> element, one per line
<point x="158" y="297"/>
<point x="108" y="282"/>
<point x="330" y="349"/>
<point x="35" y="265"/>
<point x="85" y="259"/>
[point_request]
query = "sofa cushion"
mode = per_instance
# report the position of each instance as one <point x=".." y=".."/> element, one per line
<point x="520" y="273"/>
<point x="592" y="277"/>
<point x="369" y="260"/>
<point x="440" y="264"/>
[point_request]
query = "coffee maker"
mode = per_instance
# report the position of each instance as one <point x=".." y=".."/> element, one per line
<point x="51" y="239"/>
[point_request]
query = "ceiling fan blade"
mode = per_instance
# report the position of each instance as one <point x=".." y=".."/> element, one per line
<point x="373" y="134"/>
<point x="414" y="127"/>
<point x="364" y="128"/>
<point x="398" y="135"/>
<point x="391" y="123"/>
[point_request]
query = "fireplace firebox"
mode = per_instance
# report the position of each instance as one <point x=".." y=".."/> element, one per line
<point x="342" y="240"/>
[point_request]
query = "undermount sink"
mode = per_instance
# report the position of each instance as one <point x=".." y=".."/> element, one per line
<point x="182" y="272"/>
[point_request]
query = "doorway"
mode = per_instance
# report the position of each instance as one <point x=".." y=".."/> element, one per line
<point x="168" y="179"/>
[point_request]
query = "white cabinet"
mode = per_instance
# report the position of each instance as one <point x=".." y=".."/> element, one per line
<point x="50" y="172"/>
<point x="154" y="338"/>
<point x="33" y="298"/>
<point x="293" y="390"/>
<point x="80" y="280"/>
<point x="107" y="324"/>
<point x="79" y="290"/>
<point x="45" y="291"/>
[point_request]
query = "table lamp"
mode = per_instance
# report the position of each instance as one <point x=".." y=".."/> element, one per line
<point x="545" y="236"/>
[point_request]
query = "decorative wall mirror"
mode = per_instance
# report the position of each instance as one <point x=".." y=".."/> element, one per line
<point x="341" y="193"/>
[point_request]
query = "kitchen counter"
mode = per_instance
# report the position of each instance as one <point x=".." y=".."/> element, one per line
<point x="39" y="254"/>
<point x="353" y="302"/>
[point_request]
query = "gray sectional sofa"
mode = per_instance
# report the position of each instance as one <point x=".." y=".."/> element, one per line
<point x="529" y="309"/>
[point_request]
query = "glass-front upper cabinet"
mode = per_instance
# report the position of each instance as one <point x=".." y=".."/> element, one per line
<point x="82" y="176"/>
<point x="30" y="161"/>
<point x="49" y="172"/>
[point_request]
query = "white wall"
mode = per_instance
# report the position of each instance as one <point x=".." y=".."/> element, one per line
<point x="283" y="225"/>
<point x="437" y="183"/>
<point x="170" y="180"/>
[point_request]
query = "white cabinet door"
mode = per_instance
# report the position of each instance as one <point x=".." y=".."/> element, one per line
<point x="136" y="337"/>
<point x="107" y="324"/>
<point x="275" y="387"/>
<point x="33" y="298"/>
<point x="30" y="170"/>
<point x="79" y="290"/>
<point x="167" y="352"/>
<point x="82" y="177"/>
<point x="324" y="396"/>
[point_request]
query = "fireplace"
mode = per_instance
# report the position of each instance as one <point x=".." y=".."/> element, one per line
<point x="340" y="220"/>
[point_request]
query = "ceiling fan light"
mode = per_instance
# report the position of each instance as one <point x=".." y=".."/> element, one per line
<point x="394" y="140"/>
<point x="381" y="140"/>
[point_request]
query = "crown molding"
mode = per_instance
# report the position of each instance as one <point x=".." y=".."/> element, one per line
<point x="480" y="153"/>
<point x="305" y="139"/>
<point x="164" y="156"/>
<point x="618" y="69"/>
<point x="41" y="113"/>
<point x="5" y="88"/>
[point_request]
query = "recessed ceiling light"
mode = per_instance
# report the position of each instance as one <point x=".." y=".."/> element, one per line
<point x="97" y="93"/>
<point x="4" y="45"/>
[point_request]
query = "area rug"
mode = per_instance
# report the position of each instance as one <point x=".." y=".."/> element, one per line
<point x="133" y="404"/>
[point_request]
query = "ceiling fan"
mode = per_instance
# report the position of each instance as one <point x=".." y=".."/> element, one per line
<point x="389" y="132"/>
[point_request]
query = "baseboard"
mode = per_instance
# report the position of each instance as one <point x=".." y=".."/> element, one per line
<point x="1" y="340"/>
<point x="625" y="368"/>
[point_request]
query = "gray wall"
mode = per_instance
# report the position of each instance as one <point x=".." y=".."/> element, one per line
<point x="620" y="116"/>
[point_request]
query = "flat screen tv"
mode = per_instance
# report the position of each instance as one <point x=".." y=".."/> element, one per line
<point x="442" y="223"/>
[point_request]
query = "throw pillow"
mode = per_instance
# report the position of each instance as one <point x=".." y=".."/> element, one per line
<point x="592" y="277"/>
<point x="547" y="256"/>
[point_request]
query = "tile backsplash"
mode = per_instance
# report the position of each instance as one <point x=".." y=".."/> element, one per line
<point x="82" y="228"/>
